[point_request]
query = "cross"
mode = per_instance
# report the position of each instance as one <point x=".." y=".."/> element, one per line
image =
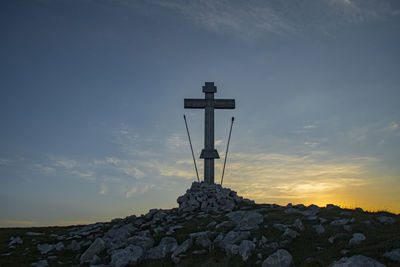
<point x="209" y="153"/>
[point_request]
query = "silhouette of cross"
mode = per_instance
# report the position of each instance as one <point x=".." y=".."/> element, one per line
<point x="209" y="153"/>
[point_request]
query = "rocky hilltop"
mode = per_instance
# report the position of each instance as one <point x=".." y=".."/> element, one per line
<point x="216" y="227"/>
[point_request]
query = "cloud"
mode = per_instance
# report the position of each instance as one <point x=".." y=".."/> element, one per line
<point x="393" y="126"/>
<point x="4" y="161"/>
<point x="279" y="176"/>
<point x="65" y="163"/>
<point x="138" y="190"/>
<point x="103" y="189"/>
<point x="250" y="20"/>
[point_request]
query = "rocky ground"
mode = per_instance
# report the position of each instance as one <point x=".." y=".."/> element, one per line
<point x="213" y="226"/>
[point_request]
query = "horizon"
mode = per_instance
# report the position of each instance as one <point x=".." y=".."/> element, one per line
<point x="92" y="101"/>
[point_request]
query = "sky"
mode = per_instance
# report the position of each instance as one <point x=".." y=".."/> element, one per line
<point x="91" y="104"/>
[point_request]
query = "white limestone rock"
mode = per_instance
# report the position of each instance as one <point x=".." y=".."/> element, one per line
<point x="74" y="245"/>
<point x="339" y="222"/>
<point x="59" y="246"/>
<point x="141" y="241"/>
<point x="231" y="237"/>
<point x="357" y="261"/>
<point x="182" y="248"/>
<point x="96" y="247"/>
<point x="246" y="220"/>
<point x="131" y="255"/>
<point x="357" y="239"/>
<point x="385" y="220"/>
<point x="245" y="249"/>
<point x="319" y="229"/>
<point x="281" y="258"/>
<point x="41" y="263"/>
<point x="45" y="248"/>
<point x="15" y="241"/>
<point x="393" y="255"/>
<point x="298" y="225"/>
<point x="167" y="245"/>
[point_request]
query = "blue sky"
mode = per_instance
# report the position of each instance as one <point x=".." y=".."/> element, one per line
<point x="91" y="104"/>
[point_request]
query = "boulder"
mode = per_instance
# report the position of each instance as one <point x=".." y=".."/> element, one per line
<point x="245" y="249"/>
<point x="131" y="255"/>
<point x="245" y="220"/>
<point x="385" y="220"/>
<point x="45" y="248"/>
<point x="339" y="222"/>
<point x="298" y="225"/>
<point x="281" y="258"/>
<point x="141" y="241"/>
<point x="15" y="241"/>
<point x="393" y="255"/>
<point x="167" y="245"/>
<point x="357" y="239"/>
<point x="42" y="263"/>
<point x="96" y="247"/>
<point x="231" y="237"/>
<point x="182" y="248"/>
<point x="357" y="261"/>
<point x="319" y="229"/>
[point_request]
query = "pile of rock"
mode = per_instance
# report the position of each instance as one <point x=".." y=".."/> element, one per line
<point x="210" y="197"/>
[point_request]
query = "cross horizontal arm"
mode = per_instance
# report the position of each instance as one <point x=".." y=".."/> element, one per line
<point x="194" y="103"/>
<point x="224" y="103"/>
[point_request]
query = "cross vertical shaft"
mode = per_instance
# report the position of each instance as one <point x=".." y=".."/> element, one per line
<point x="209" y="153"/>
<point x="209" y="138"/>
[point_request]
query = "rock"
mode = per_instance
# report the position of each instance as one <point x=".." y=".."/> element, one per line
<point x="331" y="239"/>
<point x="33" y="234"/>
<point x="203" y="240"/>
<point x="246" y="220"/>
<point x="393" y="255"/>
<point x="232" y="249"/>
<point x="385" y="220"/>
<point x="281" y="258"/>
<point x="298" y="225"/>
<point x="96" y="247"/>
<point x="42" y="263"/>
<point x="339" y="222"/>
<point x="74" y="245"/>
<point x="59" y="246"/>
<point x="359" y="210"/>
<point x="167" y="245"/>
<point x="348" y="228"/>
<point x="290" y="233"/>
<point x="225" y="224"/>
<point x="96" y="259"/>
<point x="280" y="227"/>
<point x="199" y="252"/>
<point x="245" y="249"/>
<point x="357" y="261"/>
<point x="117" y="236"/>
<point x="131" y="255"/>
<point x="15" y="241"/>
<point x="182" y="248"/>
<point x="141" y="241"/>
<point x="232" y="237"/>
<point x="319" y="229"/>
<point x="45" y="248"/>
<point x="357" y="239"/>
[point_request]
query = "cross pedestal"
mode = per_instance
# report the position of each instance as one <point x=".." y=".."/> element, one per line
<point x="209" y="153"/>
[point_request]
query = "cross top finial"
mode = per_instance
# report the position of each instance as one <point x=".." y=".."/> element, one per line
<point x="209" y="87"/>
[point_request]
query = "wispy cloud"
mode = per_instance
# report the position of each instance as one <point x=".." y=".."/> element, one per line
<point x="252" y="19"/>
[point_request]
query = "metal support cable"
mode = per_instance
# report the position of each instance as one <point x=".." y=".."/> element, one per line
<point x="191" y="148"/>
<point x="226" y="154"/>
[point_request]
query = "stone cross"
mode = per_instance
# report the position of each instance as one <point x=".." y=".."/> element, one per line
<point x="209" y="153"/>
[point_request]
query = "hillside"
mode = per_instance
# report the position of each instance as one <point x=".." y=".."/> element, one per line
<point x="213" y="226"/>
